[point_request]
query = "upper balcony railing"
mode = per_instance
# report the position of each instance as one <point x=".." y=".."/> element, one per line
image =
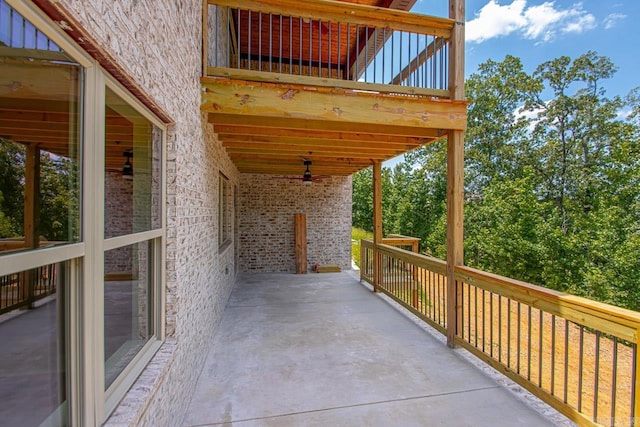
<point x="343" y="44"/>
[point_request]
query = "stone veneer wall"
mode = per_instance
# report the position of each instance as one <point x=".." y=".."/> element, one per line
<point x="158" y="43"/>
<point x="267" y="208"/>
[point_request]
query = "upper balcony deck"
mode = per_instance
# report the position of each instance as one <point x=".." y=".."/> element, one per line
<point x="339" y="83"/>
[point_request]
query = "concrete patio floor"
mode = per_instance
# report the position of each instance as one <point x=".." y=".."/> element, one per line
<point x="323" y="350"/>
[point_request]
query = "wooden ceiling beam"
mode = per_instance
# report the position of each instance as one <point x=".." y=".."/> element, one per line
<point x="293" y="171"/>
<point x="274" y="142"/>
<point x="324" y="135"/>
<point x="308" y="125"/>
<point x="309" y="154"/>
<point x="298" y="160"/>
<point x="335" y="109"/>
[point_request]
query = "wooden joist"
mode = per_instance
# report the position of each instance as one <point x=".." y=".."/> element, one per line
<point x="331" y="106"/>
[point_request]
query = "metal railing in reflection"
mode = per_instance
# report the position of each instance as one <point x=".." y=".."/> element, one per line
<point x="21" y="290"/>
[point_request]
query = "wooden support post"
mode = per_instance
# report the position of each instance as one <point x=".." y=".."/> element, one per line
<point x="205" y="36"/>
<point x="301" y="243"/>
<point x="455" y="175"/>
<point x="32" y="197"/>
<point x="31" y="216"/>
<point x="377" y="224"/>
<point x="636" y="420"/>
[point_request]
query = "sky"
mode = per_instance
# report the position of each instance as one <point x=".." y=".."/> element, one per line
<point x="537" y="31"/>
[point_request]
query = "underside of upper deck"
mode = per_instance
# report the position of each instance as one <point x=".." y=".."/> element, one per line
<point x="341" y="84"/>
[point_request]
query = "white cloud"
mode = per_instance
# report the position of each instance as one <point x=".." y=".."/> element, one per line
<point x="624" y="113"/>
<point x="612" y="19"/>
<point x="538" y="22"/>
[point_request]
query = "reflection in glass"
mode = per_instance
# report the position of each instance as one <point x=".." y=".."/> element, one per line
<point x="34" y="372"/>
<point x="132" y="169"/>
<point x="127" y="305"/>
<point x="40" y="93"/>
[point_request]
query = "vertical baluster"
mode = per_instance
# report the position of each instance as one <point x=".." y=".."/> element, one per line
<point x="290" y="44"/>
<point x="540" y="329"/>
<point x="491" y="324"/>
<point x="424" y="65"/>
<point x="580" y="368"/>
<point x="614" y="377"/>
<point x="634" y="373"/>
<point x="475" y="314"/>
<point x="393" y="41"/>
<point x="469" y="313"/>
<point x="217" y="12"/>
<point x="348" y="64"/>
<point x="238" y="49"/>
<point x="300" y="45"/>
<point x="329" y="49"/>
<point x="596" y="382"/>
<point x="566" y="360"/>
<point x="553" y="354"/>
<point x="529" y="348"/>
<point x="366" y="53"/>
<point x="375" y="52"/>
<point x="319" y="48"/>
<point x="310" y="45"/>
<point x="357" y="53"/>
<point x="509" y="333"/>
<point x="339" y="60"/>
<point x="270" y="42"/>
<point x="384" y="52"/>
<point x="483" y="320"/>
<point x="499" y="324"/>
<point x="416" y="78"/>
<point x="260" y="41"/>
<point x="249" y="40"/>
<point x="518" y="348"/>
<point x="280" y="45"/>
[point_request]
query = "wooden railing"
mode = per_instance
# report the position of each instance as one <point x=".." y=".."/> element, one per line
<point x="327" y="43"/>
<point x="578" y="355"/>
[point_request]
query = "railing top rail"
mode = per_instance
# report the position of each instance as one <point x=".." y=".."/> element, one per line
<point x="348" y="13"/>
<point x="604" y="317"/>
<point x="419" y="260"/>
<point x="324" y="82"/>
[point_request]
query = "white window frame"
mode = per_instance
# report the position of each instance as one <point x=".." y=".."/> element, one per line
<point x="90" y="403"/>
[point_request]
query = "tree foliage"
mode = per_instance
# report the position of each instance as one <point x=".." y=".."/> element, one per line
<point x="552" y="179"/>
<point x="58" y="194"/>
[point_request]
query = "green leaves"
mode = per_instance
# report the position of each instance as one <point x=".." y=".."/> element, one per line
<point x="552" y="180"/>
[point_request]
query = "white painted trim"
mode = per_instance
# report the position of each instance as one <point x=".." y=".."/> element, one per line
<point x="20" y="261"/>
<point x="89" y="403"/>
<point x="118" y="389"/>
<point x="130" y="239"/>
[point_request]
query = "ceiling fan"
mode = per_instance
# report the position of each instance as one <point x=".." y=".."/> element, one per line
<point x="307" y="177"/>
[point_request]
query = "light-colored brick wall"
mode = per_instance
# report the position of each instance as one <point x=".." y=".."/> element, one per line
<point x="158" y="43"/>
<point x="267" y="208"/>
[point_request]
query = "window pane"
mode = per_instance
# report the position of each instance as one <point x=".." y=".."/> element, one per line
<point x="133" y="148"/>
<point x="34" y="372"/>
<point x="127" y="305"/>
<point x="40" y="105"/>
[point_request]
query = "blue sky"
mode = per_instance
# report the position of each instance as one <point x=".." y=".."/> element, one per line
<point x="539" y="30"/>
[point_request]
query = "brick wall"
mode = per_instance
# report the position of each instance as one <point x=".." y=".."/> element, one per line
<point x="267" y="208"/>
<point x="158" y="43"/>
